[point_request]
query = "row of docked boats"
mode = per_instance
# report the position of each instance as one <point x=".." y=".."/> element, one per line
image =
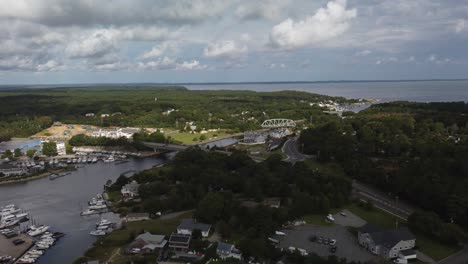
<point x="83" y="159"/>
<point x="10" y="216"/>
<point x="96" y="205"/>
<point x="103" y="227"/>
<point x="42" y="244"/>
<point x="54" y="176"/>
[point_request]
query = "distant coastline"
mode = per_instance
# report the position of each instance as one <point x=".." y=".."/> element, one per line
<point x="6" y="86"/>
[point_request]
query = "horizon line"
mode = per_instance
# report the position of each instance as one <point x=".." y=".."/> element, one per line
<point x="225" y="83"/>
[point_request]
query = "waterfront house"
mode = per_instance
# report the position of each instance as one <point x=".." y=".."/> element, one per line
<point x="147" y="243"/>
<point x="188" y="225"/>
<point x="134" y="217"/>
<point x="179" y="242"/>
<point x="225" y="250"/>
<point x="7" y="170"/>
<point x="386" y="243"/>
<point x="130" y="190"/>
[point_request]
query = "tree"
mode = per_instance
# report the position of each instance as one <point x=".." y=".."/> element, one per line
<point x="202" y="137"/>
<point x="49" y="148"/>
<point x="211" y="207"/>
<point x="17" y="152"/>
<point x="68" y="148"/>
<point x="8" y="154"/>
<point x="30" y="153"/>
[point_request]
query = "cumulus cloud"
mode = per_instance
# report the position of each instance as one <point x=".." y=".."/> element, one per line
<point x="461" y="25"/>
<point x="363" y="53"/>
<point x="158" y="50"/>
<point x="167" y="63"/>
<point x="325" y="24"/>
<point x="225" y="49"/>
<point x="97" y="44"/>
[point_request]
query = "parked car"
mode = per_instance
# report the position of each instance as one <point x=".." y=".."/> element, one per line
<point x="320" y="240"/>
<point x="332" y="242"/>
<point x="343" y="214"/>
<point x="333" y="249"/>
<point x="18" y="241"/>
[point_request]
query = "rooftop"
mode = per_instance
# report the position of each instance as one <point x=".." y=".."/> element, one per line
<point x="192" y="224"/>
<point x="179" y="238"/>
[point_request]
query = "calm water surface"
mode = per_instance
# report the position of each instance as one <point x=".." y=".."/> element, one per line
<point x="422" y="91"/>
<point x="58" y="204"/>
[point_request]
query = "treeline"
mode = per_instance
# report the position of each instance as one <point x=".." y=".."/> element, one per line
<point x="219" y="186"/>
<point x="22" y="126"/>
<point x="415" y="151"/>
<point x="84" y="140"/>
<point x="145" y="107"/>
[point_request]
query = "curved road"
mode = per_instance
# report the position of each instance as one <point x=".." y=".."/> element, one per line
<point x="291" y="149"/>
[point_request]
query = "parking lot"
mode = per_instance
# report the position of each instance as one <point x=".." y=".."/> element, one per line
<point x="349" y="219"/>
<point x="347" y="245"/>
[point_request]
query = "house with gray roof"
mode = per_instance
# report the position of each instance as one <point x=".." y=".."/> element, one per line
<point x="147" y="243"/>
<point x="179" y="242"/>
<point x="225" y="250"/>
<point x="188" y="225"/>
<point x="386" y="243"/>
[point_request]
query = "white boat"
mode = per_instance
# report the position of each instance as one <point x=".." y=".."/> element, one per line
<point x="42" y="246"/>
<point x="26" y="260"/>
<point x="94" y="160"/>
<point x="97" y="233"/>
<point x="88" y="212"/>
<point x="36" y="252"/>
<point x="104" y="222"/>
<point x="21" y="216"/>
<point x="103" y="227"/>
<point x="9" y="223"/>
<point x="98" y="206"/>
<point x="8" y="217"/>
<point x="38" y="231"/>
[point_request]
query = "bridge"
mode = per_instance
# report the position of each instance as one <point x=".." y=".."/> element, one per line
<point x="275" y="123"/>
<point x="165" y="147"/>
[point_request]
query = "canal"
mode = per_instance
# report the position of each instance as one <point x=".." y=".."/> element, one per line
<point x="58" y="204"/>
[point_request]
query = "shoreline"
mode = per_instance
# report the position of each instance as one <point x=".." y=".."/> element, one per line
<point x="40" y="176"/>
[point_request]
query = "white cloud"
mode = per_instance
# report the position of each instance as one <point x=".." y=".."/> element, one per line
<point x="253" y="10"/>
<point x="167" y="63"/>
<point x="158" y="50"/>
<point x="97" y="44"/>
<point x="325" y="24"/>
<point x="461" y="25"/>
<point x="225" y="49"/>
<point x="363" y="53"/>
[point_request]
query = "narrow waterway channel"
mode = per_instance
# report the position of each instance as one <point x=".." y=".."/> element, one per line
<point x="58" y="204"/>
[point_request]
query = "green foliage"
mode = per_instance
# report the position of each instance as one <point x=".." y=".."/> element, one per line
<point x="8" y="154"/>
<point x="30" y="153"/>
<point x="49" y="148"/>
<point x="17" y="153"/>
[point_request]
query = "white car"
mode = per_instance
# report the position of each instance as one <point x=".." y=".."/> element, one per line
<point x="330" y="218"/>
<point x="332" y="242"/>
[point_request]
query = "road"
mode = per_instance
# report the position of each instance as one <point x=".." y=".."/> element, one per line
<point x="291" y="149"/>
<point x="461" y="257"/>
<point x="382" y="200"/>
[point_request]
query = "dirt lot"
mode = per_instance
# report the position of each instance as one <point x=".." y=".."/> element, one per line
<point x="58" y="132"/>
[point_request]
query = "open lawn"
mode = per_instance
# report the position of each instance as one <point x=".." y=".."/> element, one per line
<point x="107" y="245"/>
<point x="326" y="168"/>
<point x="434" y="249"/>
<point x="187" y="138"/>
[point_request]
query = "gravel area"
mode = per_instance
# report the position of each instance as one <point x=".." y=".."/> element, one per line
<point x="349" y="220"/>
<point x="347" y="245"/>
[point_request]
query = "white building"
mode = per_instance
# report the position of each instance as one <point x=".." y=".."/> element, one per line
<point x="187" y="226"/>
<point x="61" y="149"/>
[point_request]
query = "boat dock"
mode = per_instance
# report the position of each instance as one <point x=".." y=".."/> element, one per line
<point x="8" y="248"/>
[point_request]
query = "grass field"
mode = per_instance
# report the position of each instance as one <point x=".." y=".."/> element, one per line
<point x="187" y="138"/>
<point x="107" y="245"/>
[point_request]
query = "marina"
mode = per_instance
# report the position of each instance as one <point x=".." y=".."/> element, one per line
<point x="58" y="204"/>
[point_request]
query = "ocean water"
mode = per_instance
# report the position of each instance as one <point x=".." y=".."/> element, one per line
<point x="418" y="91"/>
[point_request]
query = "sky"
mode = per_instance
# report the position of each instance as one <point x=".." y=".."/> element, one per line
<point x="115" y="41"/>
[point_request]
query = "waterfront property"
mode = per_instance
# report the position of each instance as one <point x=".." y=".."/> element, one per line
<point x="188" y="225"/>
<point x="130" y="190"/>
<point x="147" y="243"/>
<point x="134" y="217"/>
<point x="386" y="243"/>
<point x="7" y="170"/>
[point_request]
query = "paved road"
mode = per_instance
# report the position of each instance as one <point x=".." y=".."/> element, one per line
<point x="290" y="148"/>
<point x="458" y="258"/>
<point x="382" y="200"/>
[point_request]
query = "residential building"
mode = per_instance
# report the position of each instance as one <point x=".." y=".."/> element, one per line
<point x="179" y="242"/>
<point x="134" y="217"/>
<point x="386" y="243"/>
<point x="61" y="150"/>
<point x="188" y="225"/>
<point x="147" y="243"/>
<point x="225" y="250"/>
<point x="130" y="190"/>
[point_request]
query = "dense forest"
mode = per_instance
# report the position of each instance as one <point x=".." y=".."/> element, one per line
<point x="218" y="186"/>
<point x="26" y="111"/>
<point x="416" y="151"/>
